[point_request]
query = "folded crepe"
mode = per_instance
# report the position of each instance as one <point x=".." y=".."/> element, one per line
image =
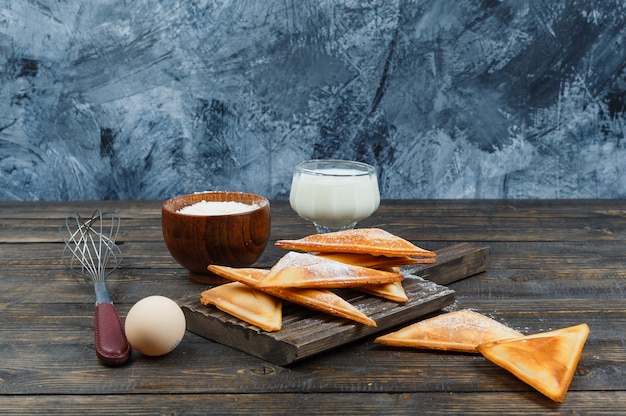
<point x="373" y="241"/>
<point x="246" y="303"/>
<point x="391" y="291"/>
<point x="461" y="331"/>
<point x="303" y="270"/>
<point x="316" y="299"/>
<point x="376" y="262"/>
<point x="545" y="361"/>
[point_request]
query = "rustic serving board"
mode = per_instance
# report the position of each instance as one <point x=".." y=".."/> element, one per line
<point x="305" y="332"/>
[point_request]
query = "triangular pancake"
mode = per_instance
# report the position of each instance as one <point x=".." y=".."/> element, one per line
<point x="372" y="241"/>
<point x="246" y="303"/>
<point x="303" y="270"/>
<point x="376" y="262"/>
<point x="460" y="331"/>
<point x="316" y="299"/>
<point x="392" y="291"/>
<point x="545" y="361"/>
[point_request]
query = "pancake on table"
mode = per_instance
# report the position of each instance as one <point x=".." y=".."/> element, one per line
<point x="545" y="361"/>
<point x="461" y="331"/>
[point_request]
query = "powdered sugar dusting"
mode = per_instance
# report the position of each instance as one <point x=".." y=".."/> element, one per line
<point x="304" y="270"/>
<point x="217" y="208"/>
<point x="321" y="266"/>
<point x="373" y="241"/>
<point x="462" y="326"/>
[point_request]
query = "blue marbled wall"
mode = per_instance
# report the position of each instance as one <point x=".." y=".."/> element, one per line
<point x="147" y="99"/>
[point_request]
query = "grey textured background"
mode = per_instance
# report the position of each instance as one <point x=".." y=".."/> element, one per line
<point x="148" y="99"/>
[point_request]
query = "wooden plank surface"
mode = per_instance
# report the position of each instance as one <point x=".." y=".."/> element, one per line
<point x="416" y="220"/>
<point x="305" y="333"/>
<point x="436" y="403"/>
<point x="551" y="264"/>
<point x="454" y="263"/>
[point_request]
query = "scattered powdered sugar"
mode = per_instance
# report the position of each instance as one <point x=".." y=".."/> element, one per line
<point x="322" y="266"/>
<point x="217" y="208"/>
<point x="474" y="327"/>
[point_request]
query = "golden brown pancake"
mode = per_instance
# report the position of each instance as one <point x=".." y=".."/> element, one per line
<point x="303" y="270"/>
<point x="545" y="361"/>
<point x="392" y="291"/>
<point x="375" y="262"/>
<point x="372" y="241"/>
<point x="246" y="303"/>
<point x="459" y="331"/>
<point x="316" y="299"/>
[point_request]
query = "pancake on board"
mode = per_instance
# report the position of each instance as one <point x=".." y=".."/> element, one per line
<point x="375" y="262"/>
<point x="391" y="291"/>
<point x="246" y="303"/>
<point x="373" y="241"/>
<point x="304" y="270"/>
<point x="317" y="299"/>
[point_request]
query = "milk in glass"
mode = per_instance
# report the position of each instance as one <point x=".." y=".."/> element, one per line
<point x="335" y="196"/>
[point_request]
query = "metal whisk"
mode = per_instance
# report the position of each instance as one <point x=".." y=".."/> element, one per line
<point x="91" y="252"/>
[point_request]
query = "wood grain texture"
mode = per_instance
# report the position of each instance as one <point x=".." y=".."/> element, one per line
<point x="551" y="264"/>
<point x="443" y="403"/>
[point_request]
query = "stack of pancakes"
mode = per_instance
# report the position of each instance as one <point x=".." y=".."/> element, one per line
<point x="366" y="259"/>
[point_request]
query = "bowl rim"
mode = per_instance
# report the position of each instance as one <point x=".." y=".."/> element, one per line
<point x="262" y="203"/>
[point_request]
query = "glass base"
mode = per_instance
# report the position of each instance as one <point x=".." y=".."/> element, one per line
<point x="322" y="229"/>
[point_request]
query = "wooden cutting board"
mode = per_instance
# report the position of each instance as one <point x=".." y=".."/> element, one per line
<point x="306" y="333"/>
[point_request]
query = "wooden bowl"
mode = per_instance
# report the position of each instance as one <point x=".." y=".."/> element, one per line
<point x="234" y="239"/>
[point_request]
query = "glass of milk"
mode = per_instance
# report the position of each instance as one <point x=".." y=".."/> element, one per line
<point x="334" y="194"/>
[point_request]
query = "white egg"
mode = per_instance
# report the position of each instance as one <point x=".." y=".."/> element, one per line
<point x="155" y="325"/>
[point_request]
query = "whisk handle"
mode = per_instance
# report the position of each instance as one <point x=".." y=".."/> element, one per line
<point x="112" y="347"/>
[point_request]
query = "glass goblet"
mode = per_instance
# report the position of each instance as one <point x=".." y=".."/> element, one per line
<point x="334" y="194"/>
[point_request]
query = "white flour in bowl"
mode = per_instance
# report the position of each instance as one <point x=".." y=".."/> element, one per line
<point x="217" y="208"/>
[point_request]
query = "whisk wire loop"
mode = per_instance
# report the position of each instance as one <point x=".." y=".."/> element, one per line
<point x="91" y="242"/>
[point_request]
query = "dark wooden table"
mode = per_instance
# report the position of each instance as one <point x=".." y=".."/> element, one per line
<point x="553" y="264"/>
